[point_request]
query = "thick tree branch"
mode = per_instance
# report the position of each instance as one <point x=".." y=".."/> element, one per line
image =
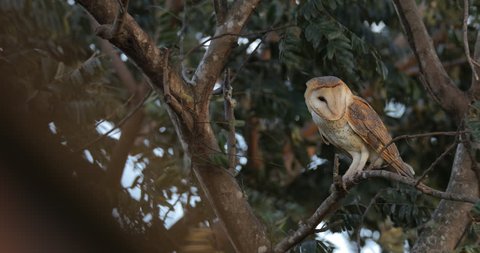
<point x="437" y="81"/>
<point x="438" y="235"/>
<point x="245" y="232"/>
<point x="215" y="58"/>
<point x="108" y="31"/>
<point x="137" y="45"/>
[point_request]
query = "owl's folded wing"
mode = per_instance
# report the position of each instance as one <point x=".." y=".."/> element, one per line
<point x="368" y="125"/>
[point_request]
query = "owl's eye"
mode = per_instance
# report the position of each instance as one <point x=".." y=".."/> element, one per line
<point x="322" y="98"/>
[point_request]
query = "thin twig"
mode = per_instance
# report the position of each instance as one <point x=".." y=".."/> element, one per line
<point x="328" y="226"/>
<point x="119" y="124"/>
<point x="245" y="62"/>
<point x="230" y="118"/>
<point x="412" y="136"/>
<point x="372" y="201"/>
<point x="412" y="182"/>
<point x="432" y="166"/>
<point x="172" y="207"/>
<point x="465" y="38"/>
<point x="236" y="35"/>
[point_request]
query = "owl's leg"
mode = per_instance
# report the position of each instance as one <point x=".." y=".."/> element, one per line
<point x="358" y="163"/>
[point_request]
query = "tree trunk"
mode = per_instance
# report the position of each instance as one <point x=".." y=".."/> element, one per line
<point x="451" y="218"/>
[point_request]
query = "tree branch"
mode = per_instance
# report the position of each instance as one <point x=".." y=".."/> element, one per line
<point x="332" y="203"/>
<point x="437" y="235"/>
<point x="132" y="126"/>
<point x="108" y="31"/>
<point x="137" y="45"/>
<point x="215" y="58"/>
<point x="437" y="81"/>
<point x="423" y="188"/>
<point x="221" y="9"/>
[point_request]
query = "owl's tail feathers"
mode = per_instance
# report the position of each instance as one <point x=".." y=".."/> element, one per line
<point x="407" y="168"/>
<point x="403" y="168"/>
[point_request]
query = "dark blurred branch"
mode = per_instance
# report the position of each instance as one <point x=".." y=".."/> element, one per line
<point x="120" y="123"/>
<point x="132" y="126"/>
<point x="436" y="80"/>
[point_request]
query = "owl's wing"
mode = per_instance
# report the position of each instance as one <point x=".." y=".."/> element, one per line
<point x="368" y="125"/>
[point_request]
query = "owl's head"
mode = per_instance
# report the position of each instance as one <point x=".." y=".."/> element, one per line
<point x="328" y="97"/>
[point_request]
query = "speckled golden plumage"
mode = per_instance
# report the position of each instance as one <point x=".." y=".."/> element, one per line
<point x="350" y="123"/>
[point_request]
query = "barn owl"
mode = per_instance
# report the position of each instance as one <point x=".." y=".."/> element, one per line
<point x="350" y="123"/>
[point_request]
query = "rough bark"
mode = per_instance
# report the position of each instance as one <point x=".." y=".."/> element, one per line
<point x="187" y="106"/>
<point x="450" y="219"/>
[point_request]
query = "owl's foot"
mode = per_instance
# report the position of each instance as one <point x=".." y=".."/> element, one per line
<point x="349" y="178"/>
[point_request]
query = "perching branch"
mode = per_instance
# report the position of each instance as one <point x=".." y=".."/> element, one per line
<point x="332" y="203"/>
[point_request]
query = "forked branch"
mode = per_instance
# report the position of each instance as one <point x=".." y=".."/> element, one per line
<point x="332" y="203"/>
